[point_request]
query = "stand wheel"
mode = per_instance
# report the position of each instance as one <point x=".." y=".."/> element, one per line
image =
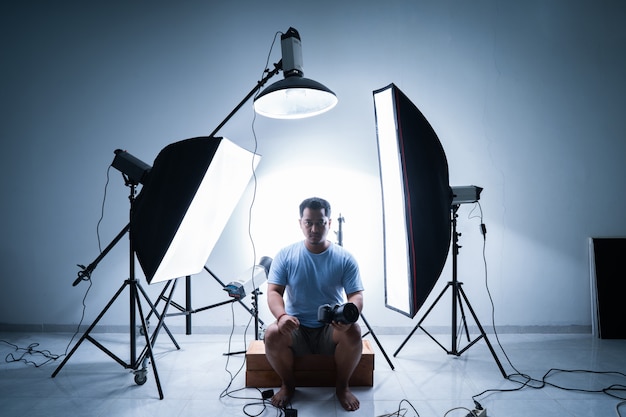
<point x="141" y="377"/>
<point x="140" y="328"/>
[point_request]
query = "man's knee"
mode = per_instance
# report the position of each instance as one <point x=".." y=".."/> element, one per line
<point x="356" y="329"/>
<point x="352" y="336"/>
<point x="274" y="339"/>
<point x="271" y="334"/>
<point x="354" y="333"/>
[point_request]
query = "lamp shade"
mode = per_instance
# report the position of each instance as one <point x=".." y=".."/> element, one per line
<point x="185" y="203"/>
<point x="294" y="97"/>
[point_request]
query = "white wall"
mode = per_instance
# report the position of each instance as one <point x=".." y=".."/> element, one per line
<point x="526" y="97"/>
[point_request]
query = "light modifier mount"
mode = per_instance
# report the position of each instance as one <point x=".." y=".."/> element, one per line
<point x="250" y="280"/>
<point x="465" y="194"/>
<point x="133" y="168"/>
<point x="294" y="97"/>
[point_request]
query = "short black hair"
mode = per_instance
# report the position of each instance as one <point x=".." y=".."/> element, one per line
<point x="315" y="203"/>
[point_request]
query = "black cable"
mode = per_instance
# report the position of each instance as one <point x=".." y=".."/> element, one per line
<point x="469" y="412"/>
<point x="254" y="155"/>
<point x="262" y="402"/>
<point x="230" y="393"/>
<point x="401" y="412"/>
<point x="225" y="392"/>
<point x="617" y="406"/>
<point x="527" y="380"/>
<point x="104" y="198"/>
<point x="606" y="390"/>
<point x="49" y="356"/>
<point x="483" y="230"/>
<point x="29" y="350"/>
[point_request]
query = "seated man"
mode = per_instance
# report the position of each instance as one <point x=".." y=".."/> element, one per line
<point x="313" y="272"/>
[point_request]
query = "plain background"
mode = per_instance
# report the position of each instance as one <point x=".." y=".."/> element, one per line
<point x="527" y="99"/>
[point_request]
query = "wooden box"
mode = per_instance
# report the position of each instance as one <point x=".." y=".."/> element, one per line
<point x="310" y="370"/>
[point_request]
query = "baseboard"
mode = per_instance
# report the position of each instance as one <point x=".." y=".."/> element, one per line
<point x="378" y="330"/>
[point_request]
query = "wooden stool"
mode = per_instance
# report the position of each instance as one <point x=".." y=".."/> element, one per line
<point x="310" y="370"/>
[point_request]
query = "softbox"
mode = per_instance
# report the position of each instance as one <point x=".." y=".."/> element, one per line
<point x="185" y="203"/>
<point x="416" y="200"/>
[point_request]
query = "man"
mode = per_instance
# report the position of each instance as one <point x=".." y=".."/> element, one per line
<point x="313" y="272"/>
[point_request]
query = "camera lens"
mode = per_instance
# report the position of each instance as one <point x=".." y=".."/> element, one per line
<point x="347" y="313"/>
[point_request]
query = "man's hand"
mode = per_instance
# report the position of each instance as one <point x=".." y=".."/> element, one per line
<point x="287" y="324"/>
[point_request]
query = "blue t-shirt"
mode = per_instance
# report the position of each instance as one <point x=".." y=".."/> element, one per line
<point x="312" y="280"/>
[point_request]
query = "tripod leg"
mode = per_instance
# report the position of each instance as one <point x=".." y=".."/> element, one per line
<point x="482" y="332"/>
<point x="377" y="342"/>
<point x="160" y="317"/>
<point x="159" y="298"/>
<point x="149" y="348"/>
<point x="419" y="324"/>
<point x="86" y="334"/>
<point x="463" y="320"/>
<point x="188" y="326"/>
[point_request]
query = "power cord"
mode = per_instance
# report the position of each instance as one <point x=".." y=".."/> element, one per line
<point x="264" y="401"/>
<point x="526" y="380"/>
<point x="226" y="392"/>
<point x="402" y="412"/>
<point x="49" y="356"/>
<point x="253" y="169"/>
<point x="265" y="396"/>
<point x="104" y="199"/>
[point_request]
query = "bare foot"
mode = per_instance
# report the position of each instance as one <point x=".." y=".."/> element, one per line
<point x="347" y="400"/>
<point x="283" y="397"/>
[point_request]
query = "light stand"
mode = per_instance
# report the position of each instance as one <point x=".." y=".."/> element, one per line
<point x="135" y="289"/>
<point x="250" y="283"/>
<point x="341" y="220"/>
<point x="257" y="87"/>
<point x="458" y="298"/>
<point x="187" y="310"/>
<point x="159" y="232"/>
<point x="291" y="98"/>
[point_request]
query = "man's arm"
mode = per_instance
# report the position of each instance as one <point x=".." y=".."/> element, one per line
<point x="275" y="299"/>
<point x="356" y="298"/>
<point x="286" y="323"/>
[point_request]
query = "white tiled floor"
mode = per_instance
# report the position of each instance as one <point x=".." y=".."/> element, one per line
<point x="194" y="377"/>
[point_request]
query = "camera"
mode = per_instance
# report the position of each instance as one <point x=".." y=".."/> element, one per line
<point x="345" y="313"/>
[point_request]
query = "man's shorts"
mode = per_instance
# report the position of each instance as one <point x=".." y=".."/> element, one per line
<point x="313" y="341"/>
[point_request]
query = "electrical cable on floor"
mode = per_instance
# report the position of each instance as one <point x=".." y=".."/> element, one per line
<point x="469" y="412"/>
<point x="401" y="412"/>
<point x="262" y="402"/>
<point x="526" y="380"/>
<point x="230" y="393"/>
<point x="226" y="392"/>
<point x="49" y="356"/>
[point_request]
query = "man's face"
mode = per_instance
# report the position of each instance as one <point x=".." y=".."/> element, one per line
<point x="315" y="226"/>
